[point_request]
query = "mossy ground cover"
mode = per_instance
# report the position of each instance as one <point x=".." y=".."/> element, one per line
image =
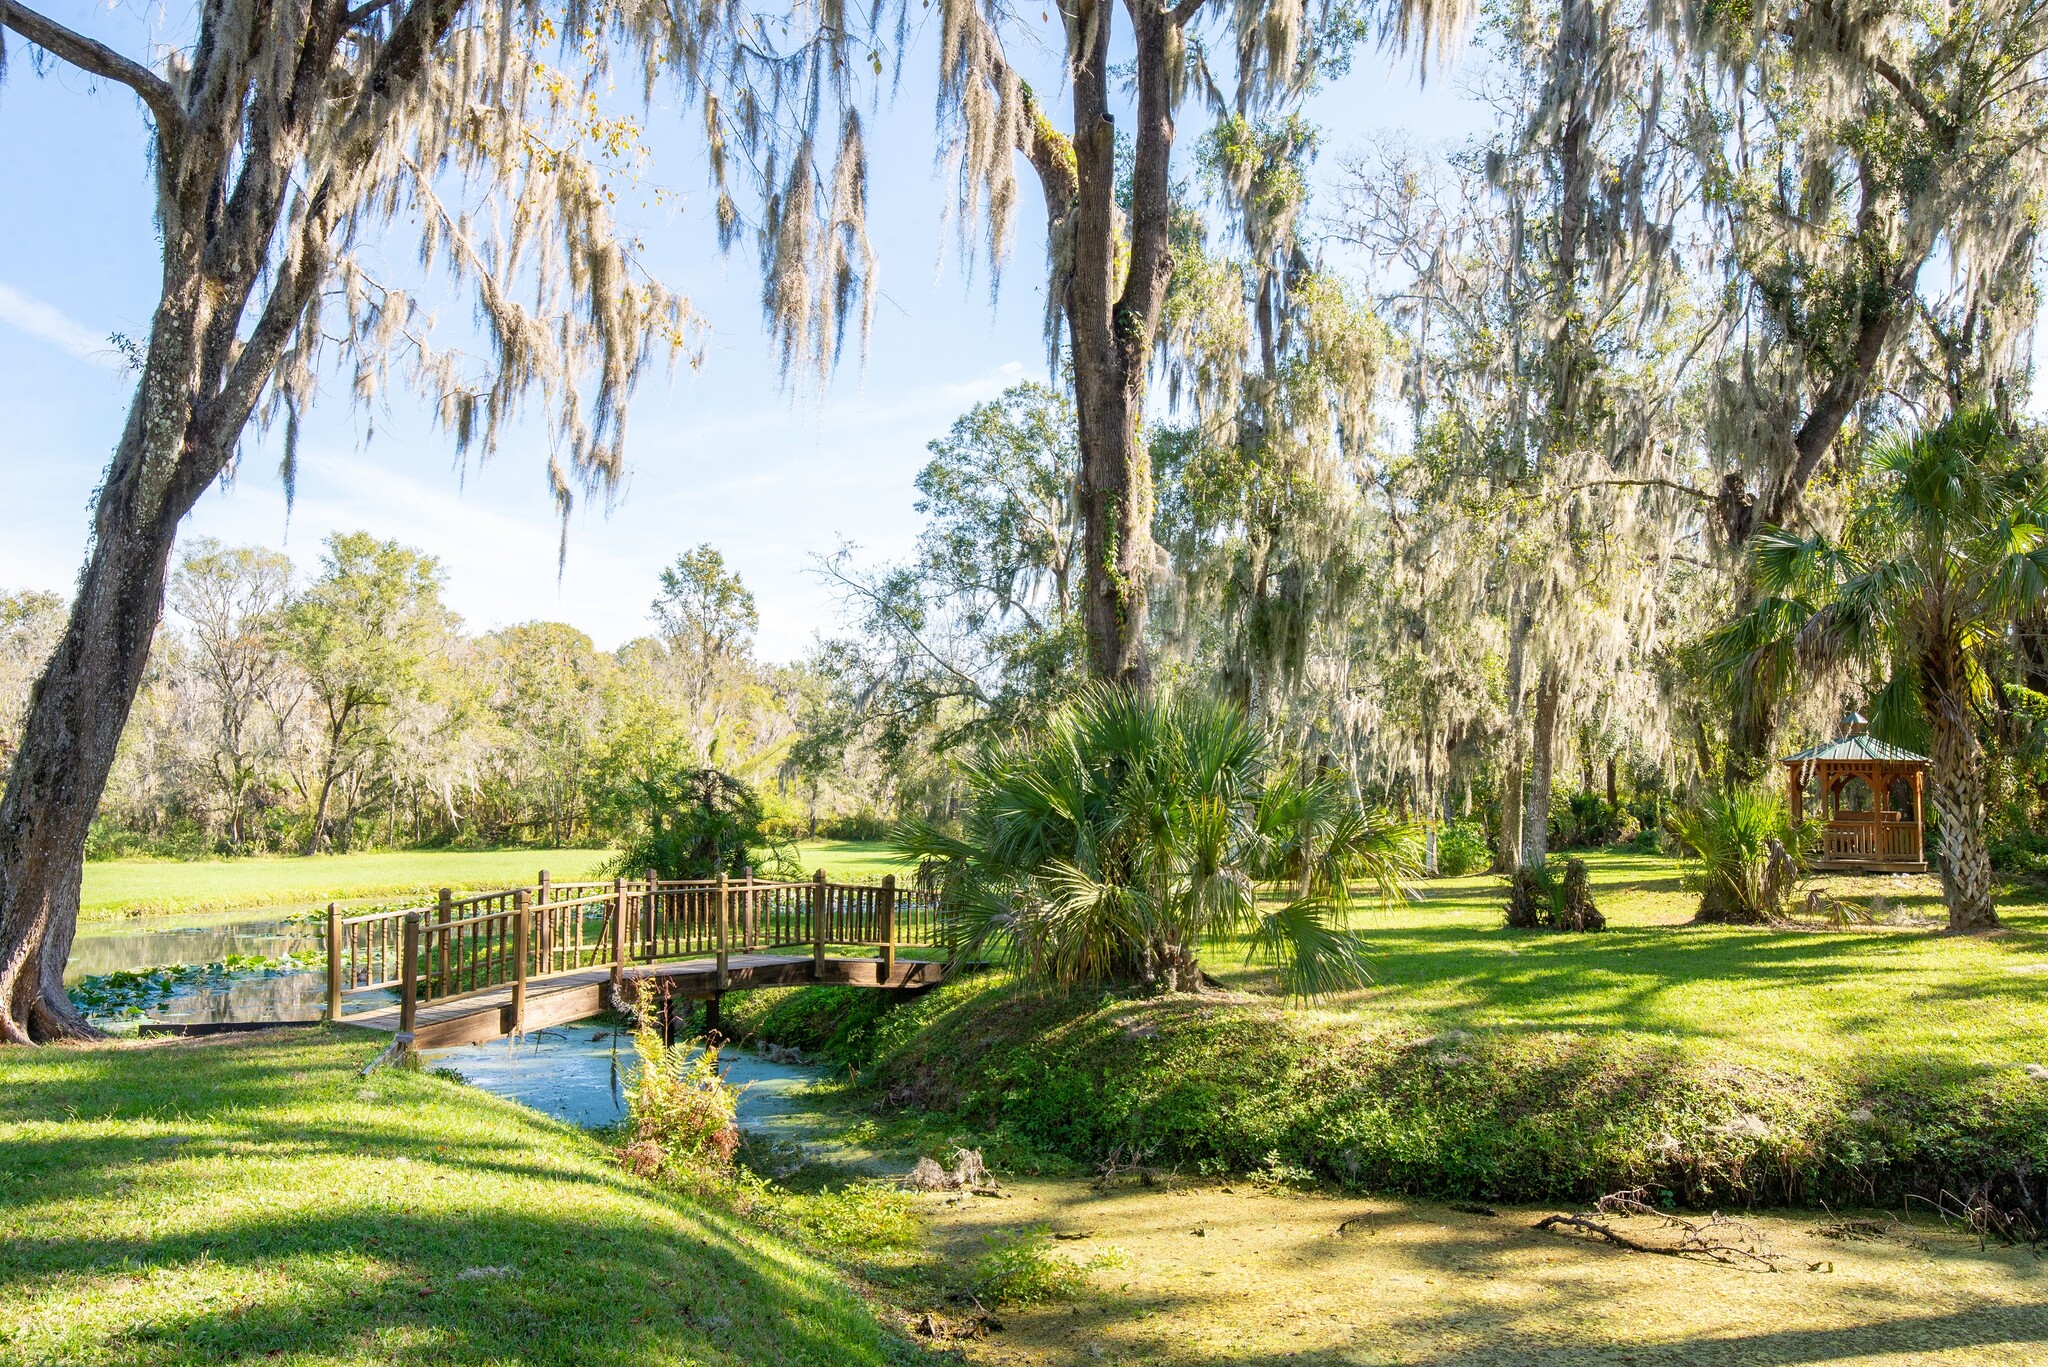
<point x="258" y="1201"/>
<point x="1721" y="1064"/>
<point x="1253" y="1275"/>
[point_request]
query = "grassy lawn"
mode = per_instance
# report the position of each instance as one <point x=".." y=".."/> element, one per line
<point x="117" y="887"/>
<point x="1870" y="1000"/>
<point x="126" y="887"/>
<point x="259" y="1201"/>
<point x="1723" y="1064"/>
<point x="855" y="860"/>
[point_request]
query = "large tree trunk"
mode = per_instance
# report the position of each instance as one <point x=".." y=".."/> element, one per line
<point x="1542" y="754"/>
<point x="78" y="710"/>
<point x="1958" y="795"/>
<point x="1507" y="855"/>
<point x="1110" y="299"/>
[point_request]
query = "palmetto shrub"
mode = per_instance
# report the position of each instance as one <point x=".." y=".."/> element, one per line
<point x="1112" y="842"/>
<point x="1743" y="854"/>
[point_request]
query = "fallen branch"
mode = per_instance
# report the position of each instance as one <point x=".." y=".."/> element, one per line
<point x="1732" y="1243"/>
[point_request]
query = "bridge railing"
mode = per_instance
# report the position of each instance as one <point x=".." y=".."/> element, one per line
<point x="464" y="946"/>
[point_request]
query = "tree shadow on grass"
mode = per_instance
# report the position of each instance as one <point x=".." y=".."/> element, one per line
<point x="300" y="1210"/>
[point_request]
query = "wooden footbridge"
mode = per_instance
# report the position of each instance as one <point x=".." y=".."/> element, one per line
<point x="476" y="968"/>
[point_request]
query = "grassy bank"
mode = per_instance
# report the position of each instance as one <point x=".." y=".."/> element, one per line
<point x="130" y="887"/>
<point x="1723" y="1064"/>
<point x="258" y="1201"/>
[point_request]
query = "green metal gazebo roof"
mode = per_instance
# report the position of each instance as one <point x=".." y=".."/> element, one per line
<point x="1864" y="747"/>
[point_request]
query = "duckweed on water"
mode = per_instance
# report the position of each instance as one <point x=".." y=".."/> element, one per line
<point x="127" y="994"/>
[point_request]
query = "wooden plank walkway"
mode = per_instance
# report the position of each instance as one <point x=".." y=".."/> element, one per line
<point x="569" y="996"/>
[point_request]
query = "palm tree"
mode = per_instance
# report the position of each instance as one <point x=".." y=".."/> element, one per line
<point x="1134" y="827"/>
<point x="1946" y="551"/>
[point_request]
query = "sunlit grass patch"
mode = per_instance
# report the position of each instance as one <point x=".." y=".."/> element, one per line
<point x="259" y="1201"/>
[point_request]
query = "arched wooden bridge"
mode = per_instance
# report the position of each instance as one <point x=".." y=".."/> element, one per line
<point x="477" y="968"/>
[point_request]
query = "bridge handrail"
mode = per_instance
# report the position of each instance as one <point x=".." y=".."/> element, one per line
<point x="513" y="935"/>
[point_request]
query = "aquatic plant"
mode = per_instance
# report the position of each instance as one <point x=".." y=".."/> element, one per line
<point x="132" y="993"/>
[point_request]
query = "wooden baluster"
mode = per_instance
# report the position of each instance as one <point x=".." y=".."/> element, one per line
<point x="747" y="925"/>
<point x="618" y="936"/>
<point x="444" y="912"/>
<point x="521" y="937"/>
<point x="333" y="965"/>
<point x="888" y="901"/>
<point x="653" y="891"/>
<point x="723" y="917"/>
<point x="547" y="939"/>
<point x="818" y="925"/>
<point x="409" y="984"/>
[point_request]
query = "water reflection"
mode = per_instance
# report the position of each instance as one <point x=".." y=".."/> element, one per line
<point x="104" y="947"/>
<point x="108" y="946"/>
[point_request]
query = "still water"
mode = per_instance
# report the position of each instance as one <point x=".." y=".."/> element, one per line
<point x="581" y="1073"/>
<point x="104" y="947"/>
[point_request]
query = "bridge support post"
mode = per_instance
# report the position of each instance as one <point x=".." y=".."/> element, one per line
<point x="724" y="928"/>
<point x="818" y="925"/>
<point x="333" y="965"/>
<point x="409" y="975"/>
<point x="618" y="937"/>
<point x="888" y="928"/>
<point x="522" y="940"/>
<point x="712" y="1019"/>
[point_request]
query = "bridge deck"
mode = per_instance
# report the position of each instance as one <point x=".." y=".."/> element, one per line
<point x="563" y="997"/>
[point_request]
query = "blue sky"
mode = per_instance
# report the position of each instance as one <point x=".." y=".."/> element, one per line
<point x="726" y="454"/>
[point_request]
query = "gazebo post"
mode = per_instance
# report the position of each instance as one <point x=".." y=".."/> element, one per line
<point x="1919" y="816"/>
<point x="1798" y="793"/>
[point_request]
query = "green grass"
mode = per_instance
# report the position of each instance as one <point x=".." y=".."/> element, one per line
<point x="1869" y="1000"/>
<point x="128" y="887"/>
<point x="257" y="1201"/>
<point x="117" y="887"/>
<point x="1722" y="1063"/>
<point x="852" y="860"/>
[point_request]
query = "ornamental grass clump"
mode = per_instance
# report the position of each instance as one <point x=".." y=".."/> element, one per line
<point x="1116" y="840"/>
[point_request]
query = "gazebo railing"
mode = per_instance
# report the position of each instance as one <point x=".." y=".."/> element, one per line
<point x="1875" y="841"/>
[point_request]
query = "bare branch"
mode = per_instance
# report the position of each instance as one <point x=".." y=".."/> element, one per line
<point x="90" y="55"/>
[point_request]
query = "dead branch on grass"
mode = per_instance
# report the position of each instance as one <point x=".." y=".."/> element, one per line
<point x="1719" y="1239"/>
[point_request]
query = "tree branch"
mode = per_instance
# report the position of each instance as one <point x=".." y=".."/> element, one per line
<point x="97" y="58"/>
<point x="1184" y="12"/>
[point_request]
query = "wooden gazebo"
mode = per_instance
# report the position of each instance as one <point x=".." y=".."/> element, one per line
<point x="1873" y="796"/>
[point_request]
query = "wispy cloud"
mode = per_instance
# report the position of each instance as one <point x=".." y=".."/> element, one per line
<point x="42" y="320"/>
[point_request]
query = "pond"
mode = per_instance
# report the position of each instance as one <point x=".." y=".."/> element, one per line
<point x="263" y="965"/>
<point x="580" y="1073"/>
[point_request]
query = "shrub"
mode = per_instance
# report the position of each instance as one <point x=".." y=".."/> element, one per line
<point x="1111" y="842"/>
<point x="679" y="1114"/>
<point x="1461" y="848"/>
<point x="856" y="826"/>
<point x="1743" y="855"/>
<point x="1541" y="899"/>
<point x="699" y="823"/>
<point x="1585" y="821"/>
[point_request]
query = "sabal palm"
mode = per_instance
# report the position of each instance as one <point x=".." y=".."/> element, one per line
<point x="1132" y="828"/>
<point x="1929" y="573"/>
